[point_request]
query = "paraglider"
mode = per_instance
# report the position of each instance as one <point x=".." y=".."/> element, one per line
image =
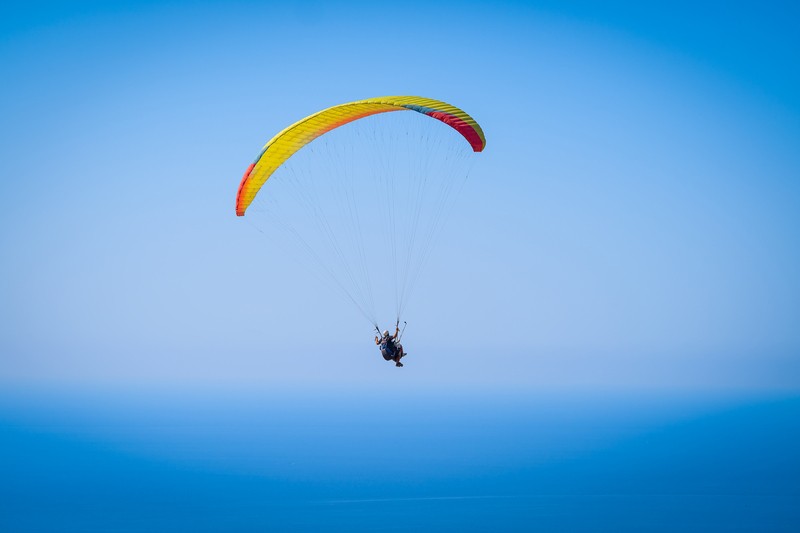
<point x="390" y="346"/>
<point x="414" y="179"/>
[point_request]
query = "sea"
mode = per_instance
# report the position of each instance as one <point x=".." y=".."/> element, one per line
<point x="139" y="459"/>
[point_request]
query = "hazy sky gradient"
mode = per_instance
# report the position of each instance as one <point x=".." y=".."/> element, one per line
<point x="634" y="220"/>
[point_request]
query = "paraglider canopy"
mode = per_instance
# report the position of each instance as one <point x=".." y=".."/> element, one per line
<point x="290" y="140"/>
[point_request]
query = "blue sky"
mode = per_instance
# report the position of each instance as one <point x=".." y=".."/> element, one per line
<point x="633" y="222"/>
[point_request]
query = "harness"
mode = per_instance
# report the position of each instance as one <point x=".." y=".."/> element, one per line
<point x="388" y="346"/>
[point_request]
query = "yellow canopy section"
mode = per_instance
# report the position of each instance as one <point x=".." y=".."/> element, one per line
<point x="290" y="140"/>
